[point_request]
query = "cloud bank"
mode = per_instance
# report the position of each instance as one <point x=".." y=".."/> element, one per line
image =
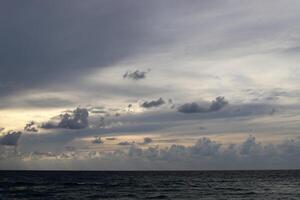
<point x="204" y="154"/>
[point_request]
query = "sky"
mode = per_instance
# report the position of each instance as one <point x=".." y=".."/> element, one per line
<point x="149" y="85"/>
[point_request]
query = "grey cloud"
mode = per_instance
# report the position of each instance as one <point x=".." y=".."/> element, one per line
<point x="204" y="154"/>
<point x="78" y="119"/>
<point x="208" y="154"/>
<point x="274" y="94"/>
<point x="191" y="108"/>
<point x="97" y="140"/>
<point x="43" y="42"/>
<point x="10" y="138"/>
<point x="135" y="75"/>
<point x="202" y="128"/>
<point x="125" y="143"/>
<point x="249" y="146"/>
<point x="147" y="140"/>
<point x="194" y="107"/>
<point x="160" y="122"/>
<point x="205" y="147"/>
<point x="154" y="103"/>
<point x="70" y="148"/>
<point x="31" y="127"/>
<point x="218" y="104"/>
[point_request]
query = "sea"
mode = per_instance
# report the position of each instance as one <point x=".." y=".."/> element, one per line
<point x="279" y="184"/>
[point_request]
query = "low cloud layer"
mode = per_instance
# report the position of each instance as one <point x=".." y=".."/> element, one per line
<point x="194" y="107"/>
<point x="204" y="154"/>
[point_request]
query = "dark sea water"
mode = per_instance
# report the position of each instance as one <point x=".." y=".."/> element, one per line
<point x="150" y="185"/>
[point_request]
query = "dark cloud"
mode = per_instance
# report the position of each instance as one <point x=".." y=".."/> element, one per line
<point x="97" y="140"/>
<point x="218" y="104"/>
<point x="194" y="107"/>
<point x="147" y="140"/>
<point x="125" y="143"/>
<point x="10" y="138"/>
<point x="135" y="75"/>
<point x="31" y="127"/>
<point x="78" y="119"/>
<point x="154" y="103"/>
<point x="42" y="42"/>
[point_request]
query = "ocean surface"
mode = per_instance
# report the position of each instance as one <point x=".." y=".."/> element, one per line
<point x="150" y="185"/>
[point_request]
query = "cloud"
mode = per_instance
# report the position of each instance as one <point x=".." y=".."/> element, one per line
<point x="191" y="108"/>
<point x="125" y="143"/>
<point x="204" y="154"/>
<point x="154" y="103"/>
<point x="78" y="119"/>
<point x="205" y="147"/>
<point x="147" y="140"/>
<point x="218" y="104"/>
<point x="249" y="146"/>
<point x="209" y="154"/>
<point x="10" y="138"/>
<point x="234" y="119"/>
<point x="31" y="127"/>
<point x="61" y="46"/>
<point x="194" y="107"/>
<point x="97" y="140"/>
<point x="135" y="75"/>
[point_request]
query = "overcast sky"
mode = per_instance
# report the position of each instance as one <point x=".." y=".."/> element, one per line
<point x="131" y="84"/>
